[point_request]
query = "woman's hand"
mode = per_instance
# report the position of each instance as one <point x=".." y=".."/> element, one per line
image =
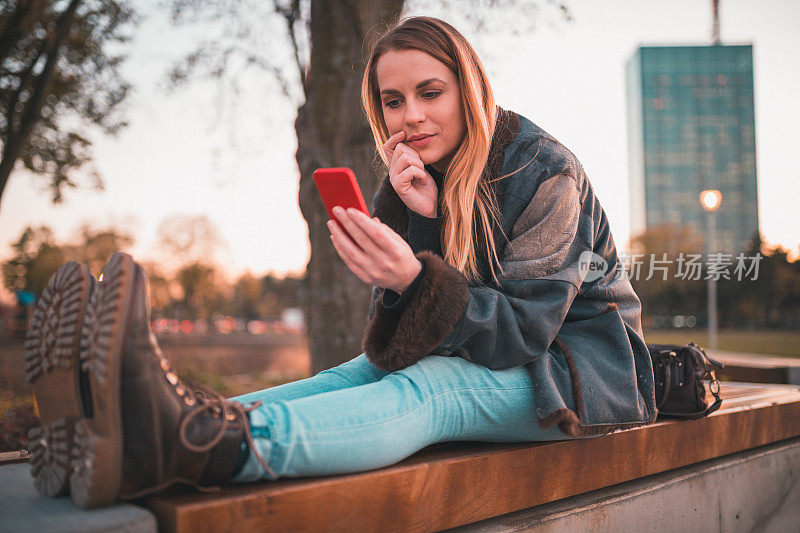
<point x="407" y="175"/>
<point x="379" y="256"/>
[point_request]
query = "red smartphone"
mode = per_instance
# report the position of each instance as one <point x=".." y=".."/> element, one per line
<point x="338" y="186"/>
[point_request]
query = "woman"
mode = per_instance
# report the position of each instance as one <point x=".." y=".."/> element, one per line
<point x="486" y="321"/>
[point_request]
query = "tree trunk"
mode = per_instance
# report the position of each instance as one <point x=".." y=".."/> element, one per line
<point x="332" y="131"/>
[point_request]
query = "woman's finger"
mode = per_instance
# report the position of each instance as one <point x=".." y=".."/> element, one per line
<point x="405" y="177"/>
<point x="413" y="157"/>
<point x="389" y="233"/>
<point x="346" y="217"/>
<point x="410" y="158"/>
<point x="401" y="164"/>
<point x="355" y="269"/>
<point x="350" y="253"/>
<point x="393" y="236"/>
<point x="414" y="160"/>
<point x="396" y="153"/>
<point x="407" y="159"/>
<point x="400" y="149"/>
<point x="375" y="231"/>
<point x="391" y="143"/>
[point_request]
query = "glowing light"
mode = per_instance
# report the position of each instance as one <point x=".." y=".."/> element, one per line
<point x="710" y="198"/>
<point x="256" y="327"/>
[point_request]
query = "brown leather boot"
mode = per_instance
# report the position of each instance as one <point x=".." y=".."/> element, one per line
<point x="52" y="367"/>
<point x="150" y="430"/>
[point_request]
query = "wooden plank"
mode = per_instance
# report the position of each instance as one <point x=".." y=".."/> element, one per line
<point x="757" y="368"/>
<point x="10" y="458"/>
<point x="451" y="484"/>
<point x="747" y="395"/>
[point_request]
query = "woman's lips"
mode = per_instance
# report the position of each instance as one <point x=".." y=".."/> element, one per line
<point x="420" y="143"/>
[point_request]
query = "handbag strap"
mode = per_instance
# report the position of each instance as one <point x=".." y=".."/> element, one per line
<point x="666" y="357"/>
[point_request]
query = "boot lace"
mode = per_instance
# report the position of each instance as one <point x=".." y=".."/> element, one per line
<point x="210" y="401"/>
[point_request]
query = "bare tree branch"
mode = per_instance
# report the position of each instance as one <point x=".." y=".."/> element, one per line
<point x="292" y="16"/>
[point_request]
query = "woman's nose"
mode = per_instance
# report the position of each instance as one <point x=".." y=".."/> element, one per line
<point x="414" y="113"/>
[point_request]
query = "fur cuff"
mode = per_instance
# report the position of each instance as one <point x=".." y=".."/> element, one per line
<point x="393" y="341"/>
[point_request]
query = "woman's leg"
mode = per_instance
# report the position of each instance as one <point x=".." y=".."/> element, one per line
<point x="357" y="371"/>
<point x="378" y="424"/>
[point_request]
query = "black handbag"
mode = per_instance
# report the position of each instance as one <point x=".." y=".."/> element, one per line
<point x="679" y="372"/>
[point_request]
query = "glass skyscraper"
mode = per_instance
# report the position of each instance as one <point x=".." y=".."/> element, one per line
<point x="691" y="126"/>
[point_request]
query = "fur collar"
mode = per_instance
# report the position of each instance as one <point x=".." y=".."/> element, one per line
<point x="391" y="210"/>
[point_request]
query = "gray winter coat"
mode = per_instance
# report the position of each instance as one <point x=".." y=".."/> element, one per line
<point x="577" y="331"/>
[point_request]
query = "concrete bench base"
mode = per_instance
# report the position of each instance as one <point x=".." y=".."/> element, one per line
<point x="23" y="509"/>
<point x="755" y="490"/>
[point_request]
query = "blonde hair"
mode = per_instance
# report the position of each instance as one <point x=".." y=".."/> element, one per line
<point x="467" y="200"/>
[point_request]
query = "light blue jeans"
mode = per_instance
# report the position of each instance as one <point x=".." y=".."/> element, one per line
<point x="357" y="417"/>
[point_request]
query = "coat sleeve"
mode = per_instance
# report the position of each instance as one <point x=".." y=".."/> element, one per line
<point x="496" y="327"/>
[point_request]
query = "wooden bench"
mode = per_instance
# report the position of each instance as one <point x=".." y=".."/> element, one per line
<point x="452" y="484"/>
<point x="757" y="368"/>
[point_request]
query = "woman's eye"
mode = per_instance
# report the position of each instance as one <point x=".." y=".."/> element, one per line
<point x="430" y="95"/>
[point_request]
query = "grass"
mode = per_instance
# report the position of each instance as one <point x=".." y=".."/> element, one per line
<point x="771" y="342"/>
<point x="10" y="401"/>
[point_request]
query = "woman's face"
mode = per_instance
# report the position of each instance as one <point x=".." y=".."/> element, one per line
<point x="421" y="96"/>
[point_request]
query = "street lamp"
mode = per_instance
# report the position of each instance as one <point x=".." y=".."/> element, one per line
<point x="710" y="199"/>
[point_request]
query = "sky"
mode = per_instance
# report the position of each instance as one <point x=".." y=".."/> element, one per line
<point x="185" y="153"/>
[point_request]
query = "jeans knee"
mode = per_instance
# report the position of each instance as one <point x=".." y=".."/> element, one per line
<point x="430" y="373"/>
<point x="434" y="365"/>
<point x="358" y="370"/>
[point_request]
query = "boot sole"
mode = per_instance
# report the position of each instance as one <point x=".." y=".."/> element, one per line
<point x="53" y="370"/>
<point x="97" y="453"/>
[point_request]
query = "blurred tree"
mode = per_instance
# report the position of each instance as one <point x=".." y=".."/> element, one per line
<point x="187" y="239"/>
<point x="768" y="297"/>
<point x="161" y="300"/>
<point x="280" y="293"/>
<point x="36" y="256"/>
<point x="191" y="245"/>
<point x="326" y="46"/>
<point x="265" y="297"/>
<point x="247" y="301"/>
<point x="667" y="238"/>
<point x="664" y="283"/>
<point x="96" y="246"/>
<point x="773" y="299"/>
<point x="203" y="291"/>
<point x="196" y="290"/>
<point x="57" y="79"/>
